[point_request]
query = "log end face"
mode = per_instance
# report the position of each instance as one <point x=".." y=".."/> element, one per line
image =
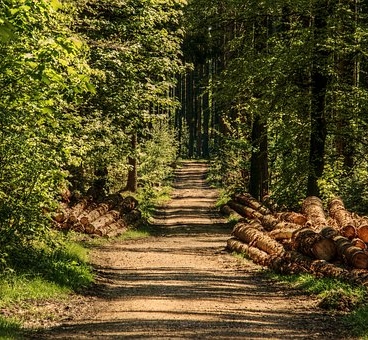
<point x="324" y="249"/>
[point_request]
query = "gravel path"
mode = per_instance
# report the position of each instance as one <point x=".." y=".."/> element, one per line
<point x="182" y="284"/>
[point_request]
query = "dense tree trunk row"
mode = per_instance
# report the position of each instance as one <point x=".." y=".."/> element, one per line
<point x="277" y="92"/>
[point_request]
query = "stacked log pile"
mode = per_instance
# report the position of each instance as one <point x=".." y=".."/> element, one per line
<point x="332" y="244"/>
<point x="109" y="218"/>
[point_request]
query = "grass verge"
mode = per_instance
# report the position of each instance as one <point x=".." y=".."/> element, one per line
<point x="336" y="295"/>
<point x="333" y="295"/>
<point x="38" y="273"/>
<point x="10" y="329"/>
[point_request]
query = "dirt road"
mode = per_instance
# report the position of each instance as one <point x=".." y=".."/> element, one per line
<point x="182" y="284"/>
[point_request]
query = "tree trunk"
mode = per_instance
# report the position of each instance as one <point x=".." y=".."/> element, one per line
<point x="258" y="181"/>
<point x="206" y="114"/>
<point x="319" y="82"/>
<point x="132" y="181"/>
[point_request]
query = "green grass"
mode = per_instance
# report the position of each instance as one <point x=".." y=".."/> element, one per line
<point x="16" y="288"/>
<point x="10" y="329"/>
<point x="40" y="272"/>
<point x="335" y="295"/>
<point x="357" y="322"/>
<point x="332" y="294"/>
<point x="134" y="234"/>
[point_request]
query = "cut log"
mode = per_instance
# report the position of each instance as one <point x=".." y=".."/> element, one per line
<point x="113" y="228"/>
<point x="77" y="210"/>
<point x="106" y="219"/>
<point x="312" y="208"/>
<point x="62" y="214"/>
<point x="362" y="232"/>
<point x="313" y="244"/>
<point x="292" y="217"/>
<point x="247" y="200"/>
<point x="129" y="204"/>
<point x="91" y="216"/>
<point x="362" y="227"/>
<point x="270" y="223"/>
<point x="250" y="234"/>
<point x="78" y="227"/>
<point x="343" y="218"/>
<point x="329" y="232"/>
<point x="227" y="211"/>
<point x="322" y="268"/>
<point x="115" y="232"/>
<point x="256" y="255"/>
<point x="351" y="255"/>
<point x="114" y="201"/>
<point x="290" y="262"/>
<point x="357" y="242"/>
<point x="244" y="210"/>
<point x="133" y="216"/>
<point x="282" y="234"/>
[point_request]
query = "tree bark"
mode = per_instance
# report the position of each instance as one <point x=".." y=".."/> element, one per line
<point x="312" y="208"/>
<point x="313" y="244"/>
<point x="248" y="200"/>
<point x="251" y="234"/>
<point x="351" y="255"/>
<point x="343" y="218"/>
<point x="256" y="255"/>
<point x="258" y="181"/>
<point x="319" y="82"/>
<point x="132" y="181"/>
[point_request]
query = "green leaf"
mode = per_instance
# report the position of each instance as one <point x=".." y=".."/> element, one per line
<point x="6" y="32"/>
<point x="56" y="4"/>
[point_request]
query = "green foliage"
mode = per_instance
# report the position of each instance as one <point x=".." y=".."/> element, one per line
<point x="38" y="272"/>
<point x="42" y="74"/>
<point x="135" y="47"/>
<point x="77" y="79"/>
<point x="156" y="158"/>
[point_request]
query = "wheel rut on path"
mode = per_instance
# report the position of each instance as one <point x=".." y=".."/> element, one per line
<point x="182" y="284"/>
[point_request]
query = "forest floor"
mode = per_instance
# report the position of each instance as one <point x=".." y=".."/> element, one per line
<point x="181" y="283"/>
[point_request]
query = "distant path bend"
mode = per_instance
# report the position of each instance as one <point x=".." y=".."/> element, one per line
<point x="182" y="284"/>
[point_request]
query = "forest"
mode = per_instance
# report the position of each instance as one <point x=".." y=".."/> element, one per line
<point x="277" y="96"/>
<point x="102" y="97"/>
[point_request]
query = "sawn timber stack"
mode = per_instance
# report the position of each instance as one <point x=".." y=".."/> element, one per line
<point x="313" y="241"/>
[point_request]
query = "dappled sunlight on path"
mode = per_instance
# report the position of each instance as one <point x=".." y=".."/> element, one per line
<point x="182" y="284"/>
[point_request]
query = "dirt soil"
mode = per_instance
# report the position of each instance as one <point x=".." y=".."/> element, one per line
<point x="181" y="283"/>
